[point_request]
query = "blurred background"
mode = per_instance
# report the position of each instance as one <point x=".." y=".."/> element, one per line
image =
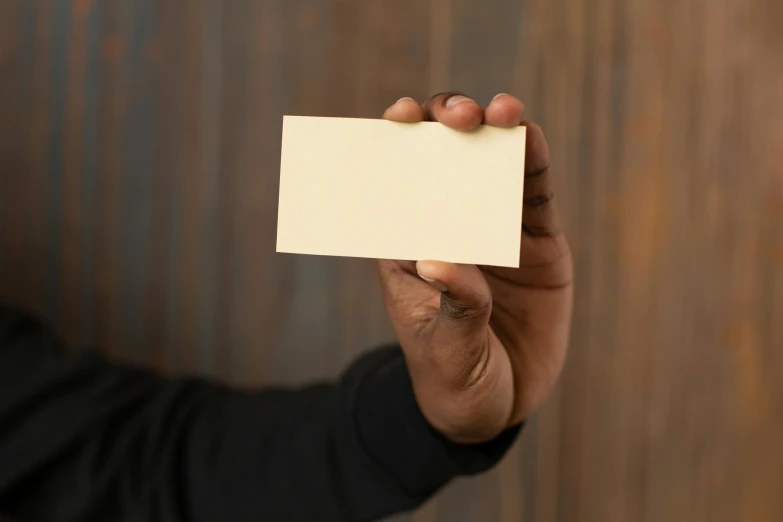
<point x="139" y="155"/>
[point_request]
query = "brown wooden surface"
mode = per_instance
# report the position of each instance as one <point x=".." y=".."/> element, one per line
<point x="139" y="146"/>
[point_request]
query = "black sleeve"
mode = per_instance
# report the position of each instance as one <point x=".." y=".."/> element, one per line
<point x="84" y="438"/>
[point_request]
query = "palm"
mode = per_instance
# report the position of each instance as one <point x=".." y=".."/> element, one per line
<point x="544" y="277"/>
<point x="538" y="293"/>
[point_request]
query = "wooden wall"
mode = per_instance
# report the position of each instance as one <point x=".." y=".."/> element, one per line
<point x="139" y="146"/>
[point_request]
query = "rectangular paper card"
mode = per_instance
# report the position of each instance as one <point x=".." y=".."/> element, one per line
<point x="378" y="189"/>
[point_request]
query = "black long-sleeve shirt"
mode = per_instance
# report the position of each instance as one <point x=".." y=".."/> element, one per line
<point x="83" y="438"/>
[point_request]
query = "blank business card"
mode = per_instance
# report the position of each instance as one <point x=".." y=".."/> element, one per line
<point x="379" y="189"/>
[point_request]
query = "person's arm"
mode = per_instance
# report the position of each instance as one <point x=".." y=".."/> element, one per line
<point x="84" y="438"/>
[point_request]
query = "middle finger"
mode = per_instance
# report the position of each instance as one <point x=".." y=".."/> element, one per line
<point x="454" y="110"/>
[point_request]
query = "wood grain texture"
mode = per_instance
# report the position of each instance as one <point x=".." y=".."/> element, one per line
<point x="139" y="154"/>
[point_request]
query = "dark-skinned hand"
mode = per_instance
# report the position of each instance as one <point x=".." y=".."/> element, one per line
<point x="485" y="345"/>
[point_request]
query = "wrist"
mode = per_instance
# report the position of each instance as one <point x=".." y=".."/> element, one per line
<point x="400" y="439"/>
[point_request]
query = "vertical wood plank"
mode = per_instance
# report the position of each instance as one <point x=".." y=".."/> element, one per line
<point x="113" y="76"/>
<point x="75" y="218"/>
<point x="13" y="35"/>
<point x="34" y="192"/>
<point x="167" y="53"/>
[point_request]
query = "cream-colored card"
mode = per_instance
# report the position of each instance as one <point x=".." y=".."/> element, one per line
<point x="378" y="189"/>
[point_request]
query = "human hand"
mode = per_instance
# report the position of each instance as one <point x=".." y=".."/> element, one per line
<point x="485" y="345"/>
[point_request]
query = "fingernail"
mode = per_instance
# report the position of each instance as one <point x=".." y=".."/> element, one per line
<point x="434" y="282"/>
<point x="499" y="95"/>
<point x="404" y="99"/>
<point x="456" y="100"/>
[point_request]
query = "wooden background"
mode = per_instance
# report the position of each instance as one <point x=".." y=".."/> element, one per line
<point x="139" y="147"/>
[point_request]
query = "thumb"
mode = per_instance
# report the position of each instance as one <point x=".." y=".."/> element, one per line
<point x="459" y="335"/>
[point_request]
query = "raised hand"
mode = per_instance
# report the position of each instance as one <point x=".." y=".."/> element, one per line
<point x="485" y="345"/>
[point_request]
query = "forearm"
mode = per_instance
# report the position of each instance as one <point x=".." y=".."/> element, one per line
<point x="83" y="438"/>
